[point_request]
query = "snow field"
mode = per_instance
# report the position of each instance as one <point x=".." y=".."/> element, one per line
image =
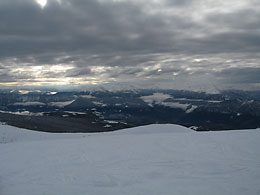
<point x="152" y="160"/>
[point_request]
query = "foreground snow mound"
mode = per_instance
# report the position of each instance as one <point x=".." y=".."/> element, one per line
<point x="148" y="160"/>
<point x="155" y="129"/>
<point x="9" y="134"/>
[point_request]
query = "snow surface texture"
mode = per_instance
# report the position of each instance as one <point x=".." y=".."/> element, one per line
<point x="150" y="160"/>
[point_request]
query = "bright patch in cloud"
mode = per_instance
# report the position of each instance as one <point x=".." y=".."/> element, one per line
<point x="42" y="3"/>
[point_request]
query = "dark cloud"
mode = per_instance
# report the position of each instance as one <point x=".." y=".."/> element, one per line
<point x="240" y="75"/>
<point x="245" y="19"/>
<point x="156" y="40"/>
<point x="87" y="26"/>
<point x="179" y="2"/>
<point x="94" y="27"/>
<point x="5" y="78"/>
<point x="78" y="72"/>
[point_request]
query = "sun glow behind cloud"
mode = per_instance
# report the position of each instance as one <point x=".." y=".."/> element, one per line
<point x="42" y="3"/>
<point x="55" y="75"/>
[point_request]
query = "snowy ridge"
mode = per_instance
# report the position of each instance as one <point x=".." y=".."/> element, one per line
<point x="9" y="134"/>
<point x="154" y="129"/>
<point x="149" y="160"/>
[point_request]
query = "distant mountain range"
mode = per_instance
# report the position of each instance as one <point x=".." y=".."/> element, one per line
<point x="103" y="110"/>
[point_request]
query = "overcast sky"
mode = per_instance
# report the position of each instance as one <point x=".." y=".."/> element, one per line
<point x="179" y="44"/>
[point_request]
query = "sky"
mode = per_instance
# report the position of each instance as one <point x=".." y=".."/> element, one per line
<point x="174" y="44"/>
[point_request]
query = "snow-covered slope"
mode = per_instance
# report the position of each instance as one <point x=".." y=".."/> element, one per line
<point x="9" y="134"/>
<point x="155" y="159"/>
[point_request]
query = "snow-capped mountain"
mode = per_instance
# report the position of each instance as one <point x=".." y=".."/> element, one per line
<point x="75" y="110"/>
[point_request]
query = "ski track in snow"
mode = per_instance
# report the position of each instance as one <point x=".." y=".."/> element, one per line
<point x="152" y="160"/>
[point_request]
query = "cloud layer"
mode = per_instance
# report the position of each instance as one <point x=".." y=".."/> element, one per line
<point x="182" y="44"/>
